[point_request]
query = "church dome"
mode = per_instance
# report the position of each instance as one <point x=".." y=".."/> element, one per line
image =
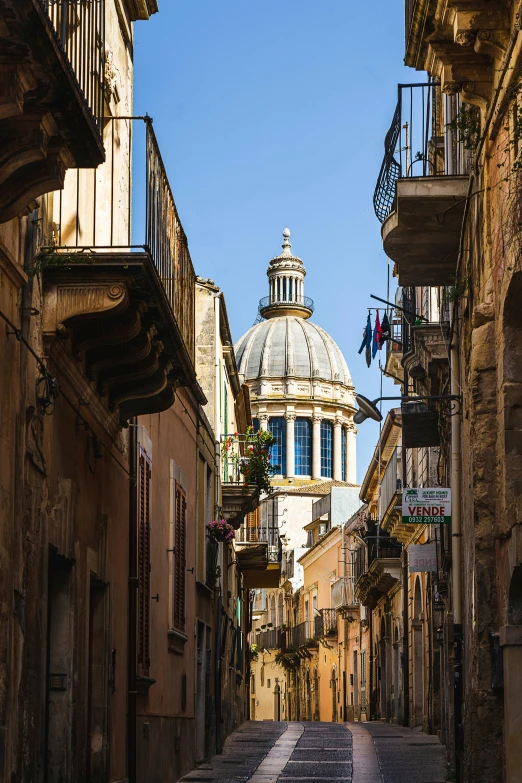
<point x="300" y="386"/>
<point x="290" y="347"/>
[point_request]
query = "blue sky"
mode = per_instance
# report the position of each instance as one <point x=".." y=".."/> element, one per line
<point x="273" y="113"/>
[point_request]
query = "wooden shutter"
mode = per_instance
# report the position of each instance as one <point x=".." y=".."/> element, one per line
<point x="180" y="563"/>
<point x="144" y="564"/>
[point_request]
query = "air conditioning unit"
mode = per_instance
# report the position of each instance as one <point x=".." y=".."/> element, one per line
<point x="323" y="528"/>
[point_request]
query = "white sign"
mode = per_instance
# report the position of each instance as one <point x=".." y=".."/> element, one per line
<point x="422" y="557"/>
<point x="424" y="506"/>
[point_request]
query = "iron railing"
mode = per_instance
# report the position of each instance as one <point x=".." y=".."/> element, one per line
<point x="390" y="484"/>
<point x="300" y="301"/>
<point x="414" y="144"/>
<point x="328" y="623"/>
<point x="376" y="549"/>
<point x="269" y="639"/>
<point x="79" y="29"/>
<point x="126" y="206"/>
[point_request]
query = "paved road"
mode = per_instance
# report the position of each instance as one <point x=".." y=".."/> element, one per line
<point x="325" y="753"/>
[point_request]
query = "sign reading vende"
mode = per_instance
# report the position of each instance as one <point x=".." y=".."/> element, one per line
<point x="423" y="506"/>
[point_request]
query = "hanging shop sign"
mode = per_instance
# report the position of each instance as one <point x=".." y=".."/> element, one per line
<point x="422" y="557"/>
<point x="424" y="506"/>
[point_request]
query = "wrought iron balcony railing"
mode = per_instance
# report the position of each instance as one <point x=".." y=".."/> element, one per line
<point x="125" y="207"/>
<point x="299" y="301"/>
<point x="414" y="145"/>
<point x="269" y="639"/>
<point x="79" y="29"/>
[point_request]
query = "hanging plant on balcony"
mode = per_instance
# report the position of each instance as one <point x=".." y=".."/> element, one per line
<point x="221" y="530"/>
<point x="254" y="464"/>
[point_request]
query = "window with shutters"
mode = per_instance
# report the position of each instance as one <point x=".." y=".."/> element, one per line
<point x="180" y="564"/>
<point x="144" y="563"/>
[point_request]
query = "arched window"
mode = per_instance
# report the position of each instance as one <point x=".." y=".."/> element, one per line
<point x="277" y="428"/>
<point x="343" y="453"/>
<point x="326" y="449"/>
<point x="303" y="447"/>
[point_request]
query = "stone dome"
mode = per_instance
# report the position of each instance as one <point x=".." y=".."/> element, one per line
<point x="290" y="347"/>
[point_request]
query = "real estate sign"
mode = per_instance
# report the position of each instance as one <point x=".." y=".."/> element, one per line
<point x="422" y="557"/>
<point x="424" y="506"/>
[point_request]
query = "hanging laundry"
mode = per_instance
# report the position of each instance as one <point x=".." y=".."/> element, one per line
<point x="385" y="329"/>
<point x="367" y="334"/>
<point x="377" y="334"/>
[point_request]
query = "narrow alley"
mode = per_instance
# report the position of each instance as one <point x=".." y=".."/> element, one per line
<point x="323" y="752"/>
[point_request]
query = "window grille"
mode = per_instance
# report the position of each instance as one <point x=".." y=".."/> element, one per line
<point x="303" y="447"/>
<point x="277" y="428"/>
<point x="326" y="449"/>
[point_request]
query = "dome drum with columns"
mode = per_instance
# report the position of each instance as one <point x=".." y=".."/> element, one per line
<point x="300" y="385"/>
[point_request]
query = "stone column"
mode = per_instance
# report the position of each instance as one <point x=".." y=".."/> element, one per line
<point x="337" y="450"/>
<point x="351" y="462"/>
<point x="290" y="445"/>
<point x="263" y="421"/>
<point x="316" y="447"/>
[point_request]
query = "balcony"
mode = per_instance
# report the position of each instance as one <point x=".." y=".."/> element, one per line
<point x="419" y="204"/>
<point x="52" y="96"/>
<point x="258" y="554"/>
<point x="299" y="305"/>
<point x="394" y="348"/>
<point x="240" y="493"/>
<point x="377" y="568"/>
<point x="343" y="599"/>
<point x="270" y="639"/>
<point x="124" y="310"/>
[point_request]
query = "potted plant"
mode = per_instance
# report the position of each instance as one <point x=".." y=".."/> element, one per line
<point x="270" y="625"/>
<point x="263" y="627"/>
<point x="254" y="465"/>
<point x="221" y="530"/>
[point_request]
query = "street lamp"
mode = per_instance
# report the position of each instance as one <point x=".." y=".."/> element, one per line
<point x="368" y="408"/>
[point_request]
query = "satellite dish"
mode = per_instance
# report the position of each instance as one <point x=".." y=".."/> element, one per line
<point x="367" y="410"/>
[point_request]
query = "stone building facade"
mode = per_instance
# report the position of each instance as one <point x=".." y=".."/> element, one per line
<point x="470" y="256"/>
<point x="123" y="623"/>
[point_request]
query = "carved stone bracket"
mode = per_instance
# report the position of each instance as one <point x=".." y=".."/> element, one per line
<point x="117" y="331"/>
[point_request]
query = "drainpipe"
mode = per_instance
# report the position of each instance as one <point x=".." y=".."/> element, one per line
<point x="132" y="600"/>
<point x="456" y="548"/>
<point x="405" y="600"/>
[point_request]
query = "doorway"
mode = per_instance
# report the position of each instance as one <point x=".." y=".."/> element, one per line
<point x="512" y="662"/>
<point x="333" y="685"/>
<point x="200" y="692"/>
<point x="277" y="703"/>
<point x="58" y="686"/>
<point x="396" y="676"/>
<point x="97" y="691"/>
<point x="417" y="655"/>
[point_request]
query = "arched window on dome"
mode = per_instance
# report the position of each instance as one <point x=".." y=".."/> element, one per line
<point x="303" y="447"/>
<point x="277" y="428"/>
<point x="344" y="436"/>
<point x="326" y="449"/>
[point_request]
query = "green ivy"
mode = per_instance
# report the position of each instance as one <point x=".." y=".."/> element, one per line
<point x="467" y="125"/>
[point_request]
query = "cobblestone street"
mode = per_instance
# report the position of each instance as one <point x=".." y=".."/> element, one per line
<point x="323" y="752"/>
